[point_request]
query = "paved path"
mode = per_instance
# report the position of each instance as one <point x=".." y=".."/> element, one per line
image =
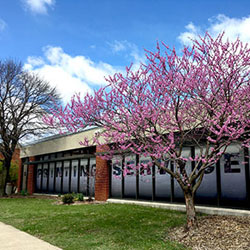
<point x="14" y="239"/>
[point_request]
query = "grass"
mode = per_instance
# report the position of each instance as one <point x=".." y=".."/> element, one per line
<point x="92" y="226"/>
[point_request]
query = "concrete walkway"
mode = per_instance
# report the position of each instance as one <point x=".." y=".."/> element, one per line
<point x="14" y="239"/>
<point x="180" y="207"/>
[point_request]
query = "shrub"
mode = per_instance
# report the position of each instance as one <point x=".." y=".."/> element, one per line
<point x="24" y="193"/>
<point x="14" y="173"/>
<point x="68" y="199"/>
<point x="80" y="197"/>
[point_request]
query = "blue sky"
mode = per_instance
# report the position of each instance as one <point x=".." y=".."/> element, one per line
<point x="74" y="43"/>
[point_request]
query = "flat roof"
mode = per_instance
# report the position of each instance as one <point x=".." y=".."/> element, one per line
<point x="57" y="143"/>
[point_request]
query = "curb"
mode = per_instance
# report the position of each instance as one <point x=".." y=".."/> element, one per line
<point x="179" y="207"/>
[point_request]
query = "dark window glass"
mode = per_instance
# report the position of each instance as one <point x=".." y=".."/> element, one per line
<point x="74" y="171"/>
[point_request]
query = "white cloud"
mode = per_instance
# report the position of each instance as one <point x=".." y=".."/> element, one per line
<point x="69" y="74"/>
<point x="2" y="24"/>
<point x="189" y="35"/>
<point x="233" y="28"/>
<point x="130" y="50"/>
<point x="118" y="46"/>
<point x="38" y="6"/>
<point x="35" y="61"/>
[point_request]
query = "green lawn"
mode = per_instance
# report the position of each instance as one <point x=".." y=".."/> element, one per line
<point x="92" y="226"/>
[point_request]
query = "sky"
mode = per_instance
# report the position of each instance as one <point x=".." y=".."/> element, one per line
<point x="73" y="44"/>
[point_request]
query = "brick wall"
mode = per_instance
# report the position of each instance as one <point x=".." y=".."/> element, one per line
<point x="102" y="177"/>
<point x="31" y="177"/>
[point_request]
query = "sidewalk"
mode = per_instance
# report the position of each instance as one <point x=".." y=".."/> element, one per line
<point x="14" y="239"/>
<point x="182" y="207"/>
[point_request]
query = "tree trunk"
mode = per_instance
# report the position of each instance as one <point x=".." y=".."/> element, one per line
<point x="190" y="210"/>
<point x="2" y="181"/>
<point x="6" y="166"/>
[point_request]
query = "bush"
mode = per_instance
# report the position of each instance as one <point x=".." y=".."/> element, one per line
<point x="14" y="173"/>
<point x="80" y="197"/>
<point x="24" y="193"/>
<point x="68" y="199"/>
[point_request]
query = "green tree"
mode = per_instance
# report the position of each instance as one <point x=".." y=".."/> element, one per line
<point x="24" y="99"/>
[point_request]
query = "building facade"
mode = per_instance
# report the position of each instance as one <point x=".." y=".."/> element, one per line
<point x="61" y="165"/>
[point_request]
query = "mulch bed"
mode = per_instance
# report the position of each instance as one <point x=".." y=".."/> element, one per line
<point x="215" y="232"/>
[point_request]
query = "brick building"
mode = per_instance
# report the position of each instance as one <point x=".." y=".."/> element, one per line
<point x="59" y="164"/>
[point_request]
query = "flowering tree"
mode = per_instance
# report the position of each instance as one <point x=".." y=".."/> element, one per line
<point x="200" y="98"/>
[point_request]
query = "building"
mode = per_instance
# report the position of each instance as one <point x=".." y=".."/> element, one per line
<point x="59" y="164"/>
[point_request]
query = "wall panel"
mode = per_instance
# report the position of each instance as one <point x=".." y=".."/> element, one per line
<point x="233" y="180"/>
<point x="162" y="183"/>
<point x="116" y="177"/>
<point x="145" y="178"/>
<point x="130" y="177"/>
<point x="74" y="175"/>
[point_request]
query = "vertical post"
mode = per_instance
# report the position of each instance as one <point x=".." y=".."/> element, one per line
<point x="153" y="182"/>
<point x="27" y="176"/>
<point x="35" y="175"/>
<point x="48" y="176"/>
<point x="54" y="183"/>
<point x="247" y="177"/>
<point x="62" y="168"/>
<point x="70" y="175"/>
<point x="78" y="175"/>
<point x="110" y="177"/>
<point x="123" y="163"/>
<point x="193" y="163"/>
<point x="88" y="172"/>
<point x="137" y="177"/>
<point x="172" y="182"/>
<point x="218" y="183"/>
<point x="41" y="183"/>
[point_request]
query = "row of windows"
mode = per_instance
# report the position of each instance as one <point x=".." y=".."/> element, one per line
<point x="55" y="176"/>
<point x="231" y="165"/>
<point x="83" y="171"/>
<point x="227" y="181"/>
